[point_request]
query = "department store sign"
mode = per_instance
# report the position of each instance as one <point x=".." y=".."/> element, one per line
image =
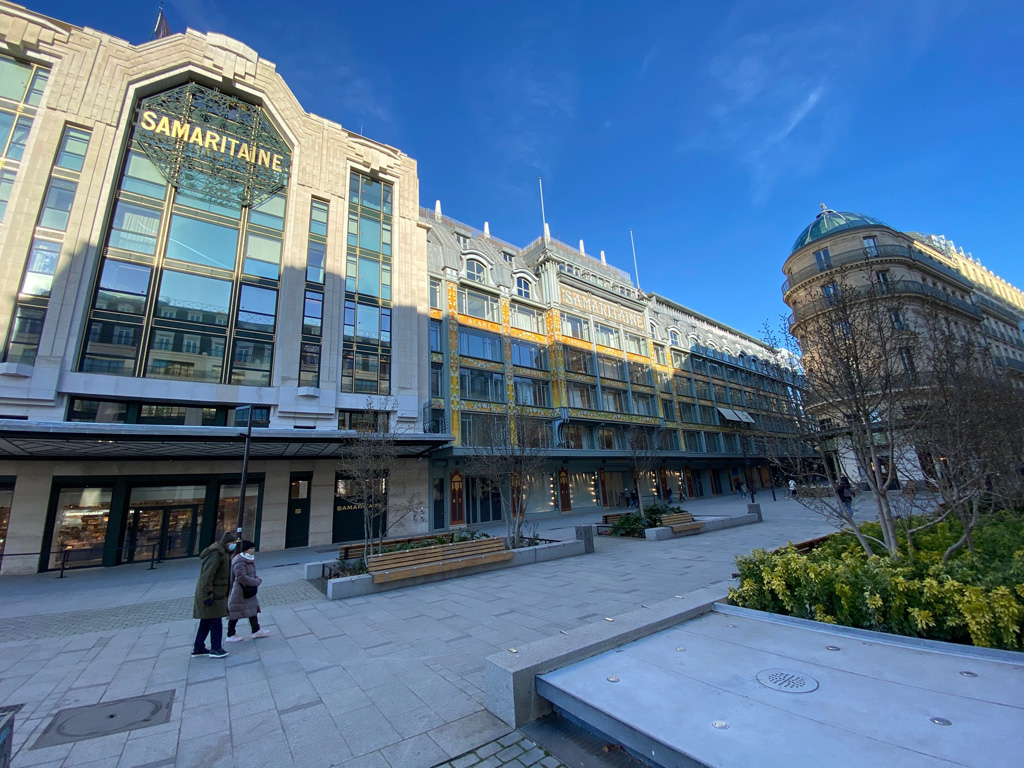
<point x="212" y="145"/>
<point x="588" y="303"/>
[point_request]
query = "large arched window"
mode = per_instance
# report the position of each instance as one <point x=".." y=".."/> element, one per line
<point x="523" y="288"/>
<point x="475" y="271"/>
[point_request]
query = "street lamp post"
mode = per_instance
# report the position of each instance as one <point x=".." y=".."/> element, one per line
<point x="247" y="409"/>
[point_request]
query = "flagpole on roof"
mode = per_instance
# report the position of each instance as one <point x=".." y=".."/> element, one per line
<point x="161" y="28"/>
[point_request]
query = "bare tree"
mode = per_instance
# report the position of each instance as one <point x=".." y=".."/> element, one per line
<point x="508" y="456"/>
<point x="644" y="453"/>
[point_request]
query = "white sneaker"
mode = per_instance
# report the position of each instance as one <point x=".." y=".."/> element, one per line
<point x="261" y="633"/>
<point x="234" y="639"/>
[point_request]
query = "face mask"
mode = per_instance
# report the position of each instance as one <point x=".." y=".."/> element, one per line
<point x="231" y="547"/>
<point x="248" y="557"/>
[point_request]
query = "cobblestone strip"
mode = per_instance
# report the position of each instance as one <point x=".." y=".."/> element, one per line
<point x="513" y="750"/>
<point x="44" y="625"/>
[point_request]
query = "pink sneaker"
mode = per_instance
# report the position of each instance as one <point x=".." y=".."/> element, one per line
<point x="261" y="633"/>
<point x="234" y="639"/>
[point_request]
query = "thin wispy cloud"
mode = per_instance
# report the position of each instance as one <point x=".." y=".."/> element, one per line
<point x="649" y="58"/>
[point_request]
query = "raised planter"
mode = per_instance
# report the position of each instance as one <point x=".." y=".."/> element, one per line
<point x="665" y="532"/>
<point x="355" y="586"/>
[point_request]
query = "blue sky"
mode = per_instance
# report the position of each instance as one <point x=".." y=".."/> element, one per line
<point x="713" y="130"/>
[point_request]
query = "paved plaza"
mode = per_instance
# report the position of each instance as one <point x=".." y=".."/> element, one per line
<point x="393" y="680"/>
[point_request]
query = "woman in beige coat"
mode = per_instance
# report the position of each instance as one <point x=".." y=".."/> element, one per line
<point x="243" y="602"/>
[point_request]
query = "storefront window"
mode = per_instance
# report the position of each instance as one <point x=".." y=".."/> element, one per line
<point x="227" y="509"/>
<point x="80" y="526"/>
<point x="163" y="522"/>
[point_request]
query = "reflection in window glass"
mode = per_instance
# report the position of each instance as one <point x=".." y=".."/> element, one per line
<point x="318" y="218"/>
<point x="142" y="177"/>
<point x="6" y="183"/>
<point x="309" y="365"/>
<point x="14" y="77"/>
<point x="257" y="308"/>
<point x="42" y="265"/>
<point x="80" y="526"/>
<point x="60" y="196"/>
<point x="313" y="312"/>
<point x="123" y="287"/>
<point x="188" y="356"/>
<point x="367" y="323"/>
<point x="36" y="87"/>
<point x="262" y="257"/>
<point x="316" y="256"/>
<point x="193" y="297"/>
<point x="227" y="509"/>
<point x="201" y="242"/>
<point x="369" y="193"/>
<point x="134" y="228"/>
<point x="72" y="150"/>
<point x="269" y="213"/>
<point x="111" y="348"/>
<point x="97" y="411"/>
<point x="251" y="363"/>
<point x="369" y="277"/>
<point x="187" y="199"/>
<point x="24" y="339"/>
<point x="369" y="234"/>
<point x="19" y="138"/>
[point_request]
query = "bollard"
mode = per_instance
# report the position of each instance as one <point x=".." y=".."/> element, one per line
<point x="152" y="558"/>
<point x="64" y="562"/>
<point x="585" y="533"/>
<point x="755" y="509"/>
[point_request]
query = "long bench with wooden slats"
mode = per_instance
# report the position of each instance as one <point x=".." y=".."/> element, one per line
<point x="355" y="550"/>
<point x="393" y="566"/>
<point x="607" y="521"/>
<point x="681" y="522"/>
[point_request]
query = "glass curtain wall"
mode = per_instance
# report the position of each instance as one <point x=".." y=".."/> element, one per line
<point x="188" y="288"/>
<point x="313" y="306"/>
<point x="366" y="350"/>
<point x="21" y="89"/>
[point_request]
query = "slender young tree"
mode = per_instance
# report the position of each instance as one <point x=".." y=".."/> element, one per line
<point x="644" y="453"/>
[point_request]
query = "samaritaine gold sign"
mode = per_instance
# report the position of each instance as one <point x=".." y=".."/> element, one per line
<point x="213" y="145"/>
<point x="587" y="303"/>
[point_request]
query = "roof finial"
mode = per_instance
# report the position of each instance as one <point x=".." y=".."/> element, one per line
<point x="823" y="207"/>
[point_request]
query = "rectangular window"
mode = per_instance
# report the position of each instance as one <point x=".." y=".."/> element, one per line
<point x="318" y="210"/>
<point x="830" y="292"/>
<point x="112" y="347"/>
<point x="688" y="413"/>
<point x="251" y="363"/>
<point x="607" y="336"/>
<point x="713" y="440"/>
<point x="823" y="259"/>
<point x="80" y="526"/>
<point x="610" y="368"/>
<point x="576" y="327"/>
<point x="435" y="336"/>
<point x="480" y="305"/>
<point x="483" y="429"/>
<point x="659" y="354"/>
<point x="170" y="360"/>
<point x="480" y="344"/>
<point x="577" y="436"/>
<point x="41" y="267"/>
<point x="529" y="355"/>
<point x="526" y="319"/>
<point x="870" y="246"/>
<point x="636" y="344"/>
<point x="142" y="177"/>
<point x="883" y="278"/>
<point x="181" y="293"/>
<point x="97" y="411"/>
<point x="313" y="313"/>
<point x="269" y="213"/>
<point x="367" y="324"/>
<point x="607" y="438"/>
<point x="309" y="365"/>
<point x="581" y="395"/>
<point x="579" y="361"/>
<point x="535" y="392"/>
<point x="641" y="373"/>
<point x="123" y="287"/>
<point x="257" y="309"/>
<point x="436" y="379"/>
<point x="694" y="444"/>
<point x="26" y="329"/>
<point x="645" y="405"/>
<point x="435" y="293"/>
<point x="316" y="258"/>
<point x="487" y="386"/>
<point x="60" y="196"/>
<point x="6" y="184"/>
<point x="205" y="243"/>
<point x="678" y="360"/>
<point x="262" y="256"/>
<point x="71" y="154"/>
<point x="614" y="400"/>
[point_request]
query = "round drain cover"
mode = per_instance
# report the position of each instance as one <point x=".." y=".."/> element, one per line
<point x="787" y="681"/>
<point x="114" y="717"/>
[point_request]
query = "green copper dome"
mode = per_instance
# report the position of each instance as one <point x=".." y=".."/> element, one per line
<point x="828" y="222"/>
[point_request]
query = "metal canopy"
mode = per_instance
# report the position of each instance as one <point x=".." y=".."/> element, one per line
<point x="734" y="415"/>
<point x="24" y="440"/>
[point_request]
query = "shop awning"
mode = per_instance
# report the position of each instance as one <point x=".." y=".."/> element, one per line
<point x="60" y="440"/>
<point x="734" y="415"/>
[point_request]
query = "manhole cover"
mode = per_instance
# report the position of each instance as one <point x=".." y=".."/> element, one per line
<point x="787" y="681"/>
<point x="79" y="723"/>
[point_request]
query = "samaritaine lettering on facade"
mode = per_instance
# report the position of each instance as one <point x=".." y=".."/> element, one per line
<point x="594" y="306"/>
<point x="213" y="145"/>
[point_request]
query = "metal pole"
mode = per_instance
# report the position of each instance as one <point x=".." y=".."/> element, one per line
<point x="245" y="470"/>
<point x="543" y="217"/>
<point x="152" y="557"/>
<point x="636" y="272"/>
<point x="64" y="561"/>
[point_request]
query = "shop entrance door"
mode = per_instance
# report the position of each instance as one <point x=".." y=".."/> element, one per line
<point x="296" y="531"/>
<point x="171" y="529"/>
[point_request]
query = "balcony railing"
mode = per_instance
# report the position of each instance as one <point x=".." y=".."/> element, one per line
<point x="803" y="311"/>
<point x="868" y="254"/>
<point x="1008" y="362"/>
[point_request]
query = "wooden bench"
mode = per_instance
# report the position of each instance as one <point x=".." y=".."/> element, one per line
<point x="440" y="558"/>
<point x="355" y="550"/>
<point x="681" y="522"/>
<point x="607" y="521"/>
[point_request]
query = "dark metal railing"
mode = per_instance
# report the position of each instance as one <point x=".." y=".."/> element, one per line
<point x="868" y="254"/>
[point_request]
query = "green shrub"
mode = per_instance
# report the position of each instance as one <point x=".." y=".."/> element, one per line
<point x="634" y="524"/>
<point x="976" y="598"/>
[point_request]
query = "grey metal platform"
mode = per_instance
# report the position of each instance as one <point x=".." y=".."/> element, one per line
<point x="729" y="690"/>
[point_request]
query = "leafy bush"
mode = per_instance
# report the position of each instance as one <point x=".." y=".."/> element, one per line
<point x="977" y="598"/>
<point x="634" y="524"/>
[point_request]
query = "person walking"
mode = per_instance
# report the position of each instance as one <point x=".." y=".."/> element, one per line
<point x="792" y="488"/>
<point x="845" y="493"/>
<point x="739" y="487"/>
<point x="242" y="600"/>
<point x="211" y="599"/>
<point x="668" y="494"/>
<point x="634" y="500"/>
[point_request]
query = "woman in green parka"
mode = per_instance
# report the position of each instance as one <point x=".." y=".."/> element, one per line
<point x="211" y="600"/>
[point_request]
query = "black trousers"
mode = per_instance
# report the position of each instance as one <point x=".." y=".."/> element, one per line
<point x="212" y="627"/>
<point x="254" y="625"/>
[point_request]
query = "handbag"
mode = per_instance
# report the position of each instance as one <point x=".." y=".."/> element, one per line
<point x="249" y="592"/>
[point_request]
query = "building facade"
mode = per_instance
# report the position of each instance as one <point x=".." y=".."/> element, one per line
<point x="187" y="254"/>
<point x="849" y="252"/>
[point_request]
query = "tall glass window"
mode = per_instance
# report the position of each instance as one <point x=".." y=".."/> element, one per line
<point x="21" y="89"/>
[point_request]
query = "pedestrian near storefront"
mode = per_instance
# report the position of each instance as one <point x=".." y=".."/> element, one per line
<point x="792" y="488"/>
<point x="634" y="500"/>
<point x="211" y="599"/>
<point x="243" y="602"/>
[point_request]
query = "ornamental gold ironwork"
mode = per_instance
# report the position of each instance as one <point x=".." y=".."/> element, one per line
<point x="212" y="145"/>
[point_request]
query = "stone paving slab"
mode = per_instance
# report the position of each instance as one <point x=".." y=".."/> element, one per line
<point x="393" y="680"/>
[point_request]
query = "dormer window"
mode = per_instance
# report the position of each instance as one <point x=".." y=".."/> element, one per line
<point x="475" y="271"/>
<point x="461" y="239"/>
<point x="522" y="288"/>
